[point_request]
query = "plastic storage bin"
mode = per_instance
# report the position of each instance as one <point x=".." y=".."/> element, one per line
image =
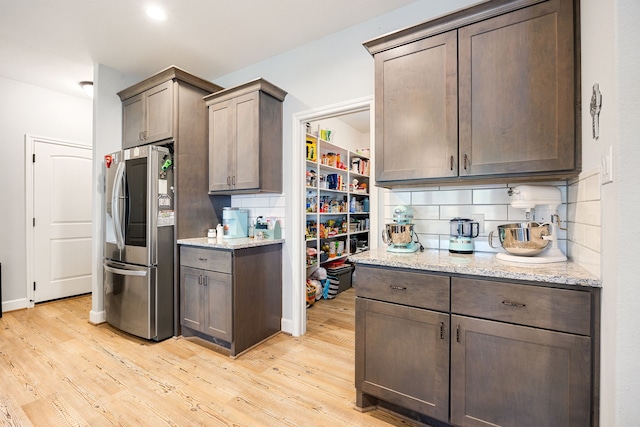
<point x="339" y="279"/>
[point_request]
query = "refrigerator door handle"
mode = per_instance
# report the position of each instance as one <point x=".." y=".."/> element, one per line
<point x="118" y="181"/>
<point x="124" y="272"/>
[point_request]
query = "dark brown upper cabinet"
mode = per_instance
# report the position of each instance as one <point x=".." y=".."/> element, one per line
<point x="154" y="109"/>
<point x="245" y="139"/>
<point x="486" y="94"/>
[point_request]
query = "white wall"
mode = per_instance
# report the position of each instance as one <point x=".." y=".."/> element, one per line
<point x="29" y="109"/>
<point x="107" y="137"/>
<point x="615" y="66"/>
<point x="611" y="58"/>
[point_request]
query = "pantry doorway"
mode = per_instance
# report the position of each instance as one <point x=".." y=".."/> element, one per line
<point x="356" y="114"/>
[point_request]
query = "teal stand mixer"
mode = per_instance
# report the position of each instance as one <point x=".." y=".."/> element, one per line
<point x="399" y="235"/>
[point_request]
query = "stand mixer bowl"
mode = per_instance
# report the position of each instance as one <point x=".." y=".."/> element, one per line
<point x="398" y="234"/>
<point x="522" y="238"/>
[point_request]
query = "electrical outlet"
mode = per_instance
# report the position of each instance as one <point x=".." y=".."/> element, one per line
<point x="479" y="218"/>
<point x="606" y="167"/>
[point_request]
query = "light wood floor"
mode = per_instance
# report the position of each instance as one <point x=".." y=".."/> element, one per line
<point x="57" y="369"/>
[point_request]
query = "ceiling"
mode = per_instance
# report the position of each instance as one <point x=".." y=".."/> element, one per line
<point x="54" y="43"/>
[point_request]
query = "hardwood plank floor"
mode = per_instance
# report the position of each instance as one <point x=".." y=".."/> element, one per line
<point x="57" y="369"/>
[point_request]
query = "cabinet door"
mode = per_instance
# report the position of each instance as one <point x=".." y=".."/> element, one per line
<point x="517" y="92"/>
<point x="219" y="305"/>
<point x="246" y="153"/>
<point x="507" y="375"/>
<point x="133" y="121"/>
<point x="159" y="105"/>
<point x="417" y="110"/>
<point x="191" y="298"/>
<point x="402" y="356"/>
<point x="220" y="146"/>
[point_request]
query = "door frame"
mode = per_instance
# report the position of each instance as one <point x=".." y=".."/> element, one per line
<point x="298" y="287"/>
<point x="29" y="148"/>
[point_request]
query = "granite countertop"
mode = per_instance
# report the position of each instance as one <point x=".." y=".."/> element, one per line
<point x="480" y="264"/>
<point x="229" y="244"/>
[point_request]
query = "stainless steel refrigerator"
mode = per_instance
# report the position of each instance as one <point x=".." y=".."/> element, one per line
<point x="139" y="241"/>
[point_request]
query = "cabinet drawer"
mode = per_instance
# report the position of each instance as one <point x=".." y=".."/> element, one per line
<point x="207" y="259"/>
<point x="403" y="287"/>
<point x="557" y="309"/>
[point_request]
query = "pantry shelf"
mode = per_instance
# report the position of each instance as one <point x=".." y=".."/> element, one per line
<point x="337" y="201"/>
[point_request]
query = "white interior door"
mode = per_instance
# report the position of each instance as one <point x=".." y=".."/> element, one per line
<point x="62" y="241"/>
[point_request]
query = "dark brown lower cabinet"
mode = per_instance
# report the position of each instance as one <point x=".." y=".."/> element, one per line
<point x="206" y="302"/>
<point x="476" y="352"/>
<point x="510" y="375"/>
<point x="406" y="356"/>
<point x="231" y="298"/>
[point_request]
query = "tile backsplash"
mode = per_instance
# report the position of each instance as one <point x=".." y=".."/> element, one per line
<point x="265" y="205"/>
<point x="433" y="207"/>
<point x="585" y="222"/>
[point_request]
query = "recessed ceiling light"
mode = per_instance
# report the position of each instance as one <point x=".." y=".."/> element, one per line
<point x="155" y="12"/>
<point x="87" y="87"/>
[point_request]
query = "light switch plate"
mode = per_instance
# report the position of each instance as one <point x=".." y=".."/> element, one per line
<point x="606" y="167"/>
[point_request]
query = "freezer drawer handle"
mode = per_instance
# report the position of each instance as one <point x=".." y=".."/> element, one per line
<point x="125" y="272"/>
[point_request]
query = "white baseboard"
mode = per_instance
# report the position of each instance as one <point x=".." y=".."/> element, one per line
<point x="97" y="317"/>
<point x="15" y="304"/>
<point x="286" y="325"/>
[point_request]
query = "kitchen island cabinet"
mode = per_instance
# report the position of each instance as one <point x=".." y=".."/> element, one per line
<point x="245" y="139"/>
<point x="519" y="348"/>
<point x="230" y="293"/>
<point x="486" y="94"/>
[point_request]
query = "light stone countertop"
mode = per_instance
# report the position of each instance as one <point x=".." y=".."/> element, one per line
<point x="228" y="244"/>
<point x="480" y="264"/>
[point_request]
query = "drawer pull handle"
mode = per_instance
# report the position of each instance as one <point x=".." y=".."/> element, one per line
<point x="441" y="330"/>
<point x="202" y="259"/>
<point x="514" y="304"/>
<point x="398" y="288"/>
